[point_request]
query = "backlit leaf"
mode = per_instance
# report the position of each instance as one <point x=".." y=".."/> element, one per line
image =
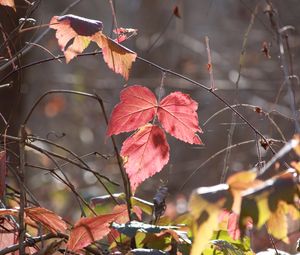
<point x="238" y="183"/>
<point x="74" y="33"/>
<point x="261" y="203"/>
<point x="131" y="228"/>
<point x="49" y="219"/>
<point x="205" y="206"/>
<point x="137" y="107"/>
<point x="277" y="223"/>
<point x="117" y="57"/>
<point x="88" y="230"/>
<point x="10" y="3"/>
<point x="177" y="113"/>
<point x="145" y="153"/>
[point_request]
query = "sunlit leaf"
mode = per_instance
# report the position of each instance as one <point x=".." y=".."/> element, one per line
<point x="137" y="107"/>
<point x="49" y="219"/>
<point x="146" y="206"/>
<point x="177" y="113"/>
<point x="117" y="57"/>
<point x="10" y="3"/>
<point x="74" y="33"/>
<point x="277" y="223"/>
<point x="205" y="206"/>
<point x="131" y="228"/>
<point x="88" y="230"/>
<point x="262" y="202"/>
<point x="145" y="153"/>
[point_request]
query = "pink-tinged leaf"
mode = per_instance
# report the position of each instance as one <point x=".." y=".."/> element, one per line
<point x="117" y="57"/>
<point x="9" y="3"/>
<point x="145" y="153"/>
<point x="233" y="226"/>
<point x="8" y="233"/>
<point x="137" y="107"/>
<point x="50" y="220"/>
<point x="88" y="230"/>
<point x="2" y="173"/>
<point x="74" y="33"/>
<point x="124" y="33"/>
<point x="177" y="113"/>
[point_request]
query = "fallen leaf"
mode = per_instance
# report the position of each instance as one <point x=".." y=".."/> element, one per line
<point x="177" y="113"/>
<point x="137" y="107"/>
<point x="145" y="153"/>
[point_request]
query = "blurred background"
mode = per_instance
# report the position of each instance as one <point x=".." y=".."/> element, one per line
<point x="245" y="55"/>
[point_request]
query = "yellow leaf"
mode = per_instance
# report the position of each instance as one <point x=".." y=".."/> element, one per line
<point x="277" y="223"/>
<point x="117" y="57"/>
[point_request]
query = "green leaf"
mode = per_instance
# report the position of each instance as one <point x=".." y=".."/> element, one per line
<point x="132" y="227"/>
<point x="141" y="251"/>
<point x="146" y="206"/>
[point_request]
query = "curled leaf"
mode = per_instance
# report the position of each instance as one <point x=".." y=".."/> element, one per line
<point x="74" y="33"/>
<point x="9" y="3"/>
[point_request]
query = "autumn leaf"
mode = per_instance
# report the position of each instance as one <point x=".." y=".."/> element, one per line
<point x="117" y="57"/>
<point x="176" y="112"/>
<point x="205" y="205"/>
<point x="262" y="202"/>
<point x="10" y="3"/>
<point x="2" y="173"/>
<point x="277" y="223"/>
<point x="178" y="115"/>
<point x="124" y="33"/>
<point x="137" y="107"/>
<point x="74" y="33"/>
<point x="145" y="153"/>
<point x="49" y="219"/>
<point x="88" y="230"/>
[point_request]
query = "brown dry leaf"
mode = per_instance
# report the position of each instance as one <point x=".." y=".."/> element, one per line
<point x="10" y="3"/>
<point x="117" y="57"/>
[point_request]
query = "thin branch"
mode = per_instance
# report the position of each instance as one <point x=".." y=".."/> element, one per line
<point x="211" y="158"/>
<point x="27" y="48"/>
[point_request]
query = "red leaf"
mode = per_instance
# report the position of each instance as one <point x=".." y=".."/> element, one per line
<point x="2" y="173"/>
<point x="124" y="33"/>
<point x="78" y="29"/>
<point x="10" y="3"/>
<point x="178" y="115"/>
<point x="145" y="153"/>
<point x="49" y="219"/>
<point x="8" y="233"/>
<point x="88" y="230"/>
<point x="117" y="57"/>
<point x="137" y="107"/>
